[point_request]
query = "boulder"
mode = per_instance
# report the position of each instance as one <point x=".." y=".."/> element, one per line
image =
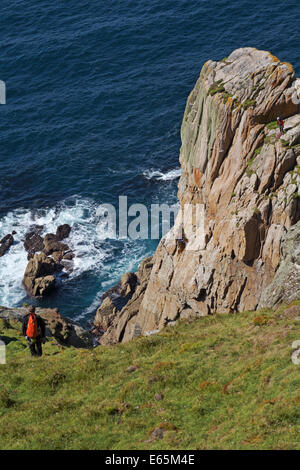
<point x="43" y="285"/>
<point x="5" y="244"/>
<point x="63" y="231"/>
<point x="38" y="278"/>
<point x="33" y="243"/>
<point x="52" y="244"/>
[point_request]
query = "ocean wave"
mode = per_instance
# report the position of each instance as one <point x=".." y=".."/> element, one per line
<point x="131" y="254"/>
<point x="160" y="176"/>
<point x="90" y="252"/>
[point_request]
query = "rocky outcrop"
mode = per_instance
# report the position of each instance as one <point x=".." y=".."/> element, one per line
<point x="115" y="321"/>
<point x="33" y="242"/>
<point x="285" y="286"/>
<point x="5" y="244"/>
<point x="246" y="179"/>
<point x="47" y="256"/>
<point x="39" y="277"/>
<point x="65" y="331"/>
<point x="63" y="231"/>
<point x="53" y="245"/>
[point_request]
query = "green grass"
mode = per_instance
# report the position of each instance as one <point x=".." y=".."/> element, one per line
<point x="248" y="103"/>
<point x="227" y="383"/>
<point x="217" y="87"/>
<point x="272" y="125"/>
<point x="270" y="139"/>
<point x="226" y="96"/>
<point x="257" y="151"/>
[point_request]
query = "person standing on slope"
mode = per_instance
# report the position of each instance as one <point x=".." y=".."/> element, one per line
<point x="33" y="329"/>
<point x="280" y="124"/>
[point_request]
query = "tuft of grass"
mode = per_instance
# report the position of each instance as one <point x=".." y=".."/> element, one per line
<point x="257" y="151"/>
<point x="217" y="87"/>
<point x="272" y="125"/>
<point x="227" y="382"/>
<point x="248" y="103"/>
<point x="270" y="139"/>
<point x="226" y="96"/>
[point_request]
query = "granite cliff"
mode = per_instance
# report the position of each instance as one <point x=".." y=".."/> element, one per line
<point x="247" y="178"/>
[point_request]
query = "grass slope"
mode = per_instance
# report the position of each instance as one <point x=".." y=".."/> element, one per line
<point x="227" y="382"/>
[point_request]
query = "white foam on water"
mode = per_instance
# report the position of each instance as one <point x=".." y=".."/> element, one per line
<point x="131" y="255"/>
<point x="160" y="176"/>
<point x="80" y="214"/>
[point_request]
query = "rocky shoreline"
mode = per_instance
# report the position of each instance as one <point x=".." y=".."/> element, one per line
<point x="246" y="176"/>
<point x="48" y="257"/>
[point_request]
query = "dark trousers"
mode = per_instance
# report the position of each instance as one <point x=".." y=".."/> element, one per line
<point x="35" y="347"/>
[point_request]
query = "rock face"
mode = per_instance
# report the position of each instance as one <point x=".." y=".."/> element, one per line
<point x="246" y="180"/>
<point x="286" y="283"/>
<point x="65" y="331"/>
<point x="118" y="325"/>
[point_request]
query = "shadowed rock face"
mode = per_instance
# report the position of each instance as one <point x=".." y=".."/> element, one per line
<point x="119" y="325"/>
<point x="248" y="180"/>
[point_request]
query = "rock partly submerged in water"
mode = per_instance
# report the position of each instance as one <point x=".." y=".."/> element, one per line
<point x="33" y="243"/>
<point x="63" y="231"/>
<point x="39" y="277"/>
<point x="5" y="244"/>
<point x="64" y="330"/>
<point x="46" y="258"/>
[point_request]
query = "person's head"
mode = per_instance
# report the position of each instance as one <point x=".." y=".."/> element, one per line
<point x="278" y="119"/>
<point x="31" y="309"/>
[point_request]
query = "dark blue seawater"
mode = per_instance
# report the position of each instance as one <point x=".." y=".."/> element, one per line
<point x="96" y="92"/>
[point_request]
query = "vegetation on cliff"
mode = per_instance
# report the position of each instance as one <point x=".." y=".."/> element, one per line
<point x="221" y="382"/>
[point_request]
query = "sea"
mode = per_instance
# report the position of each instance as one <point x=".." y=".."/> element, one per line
<point x="95" y="96"/>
